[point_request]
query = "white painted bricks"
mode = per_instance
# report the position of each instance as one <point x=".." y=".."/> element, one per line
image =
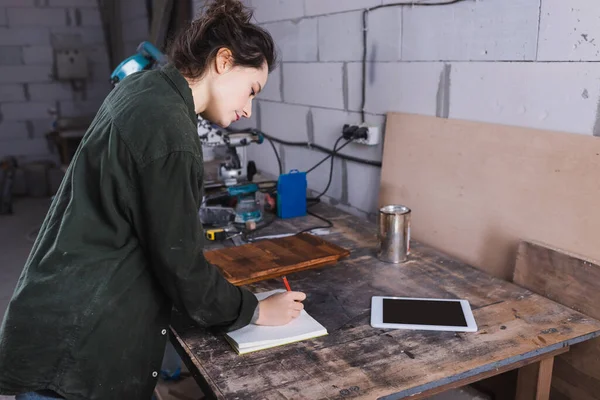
<point x="481" y="30"/>
<point x="277" y="10"/>
<point x="363" y="186"/>
<point x="38" y="55"/>
<point x="384" y="28"/>
<point x="272" y="90"/>
<point x="25" y="110"/>
<point x="50" y="91"/>
<point x="23" y="36"/>
<point x="319" y="7"/>
<point x="284" y="121"/>
<point x="37" y="16"/>
<point x="403" y="87"/>
<point x="12" y="93"/>
<point x="12" y="130"/>
<point x="295" y="40"/>
<point x="570" y="30"/>
<point x="317" y="84"/>
<point x="25" y="73"/>
<point x="340" y="37"/>
<point x="554" y="96"/>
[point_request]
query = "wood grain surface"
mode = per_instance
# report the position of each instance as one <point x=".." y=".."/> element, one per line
<point x="516" y="327"/>
<point x="273" y="258"/>
<point x="573" y="281"/>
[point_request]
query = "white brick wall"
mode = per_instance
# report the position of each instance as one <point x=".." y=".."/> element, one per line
<point x="50" y="91"/>
<point x="74" y="3"/>
<point x="37" y="16"/>
<point x="272" y="90"/>
<point x="17" y="3"/>
<point x="25" y="73"/>
<point x="20" y="36"/>
<point x="475" y="60"/>
<point x="537" y="95"/>
<point x="363" y="186"/>
<point x="90" y="17"/>
<point x="38" y="55"/>
<point x="11" y="55"/>
<point x="277" y="10"/>
<point x="501" y="30"/>
<point x="569" y="31"/>
<point x="340" y="37"/>
<point x="296" y="40"/>
<point x="284" y="121"/>
<point x="406" y="87"/>
<point x="11" y="93"/>
<point x="319" y="7"/>
<point x="24" y="111"/>
<point x="30" y="31"/>
<point x="317" y="84"/>
<point x="12" y="130"/>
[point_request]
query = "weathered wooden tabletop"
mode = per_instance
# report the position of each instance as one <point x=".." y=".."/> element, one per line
<point x="358" y="361"/>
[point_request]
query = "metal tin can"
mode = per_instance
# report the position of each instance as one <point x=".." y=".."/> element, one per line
<point x="394" y="233"/>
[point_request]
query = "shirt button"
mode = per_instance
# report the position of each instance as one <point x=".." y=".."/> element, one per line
<point x="154" y="374"/>
<point x="164" y="332"/>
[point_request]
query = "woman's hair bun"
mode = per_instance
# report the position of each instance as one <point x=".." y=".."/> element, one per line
<point x="233" y="9"/>
<point x="222" y="24"/>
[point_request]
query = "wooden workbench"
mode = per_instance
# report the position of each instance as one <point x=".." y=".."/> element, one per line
<point x="517" y="328"/>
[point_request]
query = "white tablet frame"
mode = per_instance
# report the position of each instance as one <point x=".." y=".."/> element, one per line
<point x="377" y="316"/>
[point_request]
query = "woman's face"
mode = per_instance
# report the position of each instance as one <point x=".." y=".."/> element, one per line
<point x="232" y="89"/>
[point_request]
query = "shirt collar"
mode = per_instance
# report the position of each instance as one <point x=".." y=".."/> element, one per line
<point x="181" y="85"/>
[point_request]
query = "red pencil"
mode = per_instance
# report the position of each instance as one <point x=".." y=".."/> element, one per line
<point x="287" y="285"/>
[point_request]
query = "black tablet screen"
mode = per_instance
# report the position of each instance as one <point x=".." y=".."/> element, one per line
<point x="423" y="312"/>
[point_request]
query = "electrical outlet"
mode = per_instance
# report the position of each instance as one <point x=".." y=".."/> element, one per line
<point x="373" y="135"/>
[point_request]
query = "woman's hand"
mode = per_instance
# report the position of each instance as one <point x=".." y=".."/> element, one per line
<point x="280" y="308"/>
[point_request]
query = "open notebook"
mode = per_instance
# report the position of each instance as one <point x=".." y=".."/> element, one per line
<point x="254" y="337"/>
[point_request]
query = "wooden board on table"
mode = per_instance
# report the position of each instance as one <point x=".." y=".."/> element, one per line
<point x="574" y="282"/>
<point x="273" y="258"/>
<point x="476" y="189"/>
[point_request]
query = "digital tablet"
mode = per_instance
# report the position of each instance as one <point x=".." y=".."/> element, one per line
<point x="422" y="314"/>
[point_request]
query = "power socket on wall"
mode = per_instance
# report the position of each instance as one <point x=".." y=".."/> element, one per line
<point x="369" y="135"/>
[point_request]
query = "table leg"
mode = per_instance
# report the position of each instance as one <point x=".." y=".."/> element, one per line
<point x="534" y="380"/>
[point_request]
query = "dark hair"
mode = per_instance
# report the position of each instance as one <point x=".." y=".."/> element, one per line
<point x="224" y="23"/>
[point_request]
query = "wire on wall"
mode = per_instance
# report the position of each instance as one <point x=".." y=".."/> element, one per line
<point x="365" y="30"/>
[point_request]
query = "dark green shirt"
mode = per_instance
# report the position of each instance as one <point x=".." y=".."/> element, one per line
<point x="121" y="244"/>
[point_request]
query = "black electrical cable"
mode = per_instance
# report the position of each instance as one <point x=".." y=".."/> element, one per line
<point x="364" y="56"/>
<point x="276" y="155"/>
<point x="335" y="150"/>
<point x="329" y="156"/>
<point x="326" y="150"/>
<point x="309" y="146"/>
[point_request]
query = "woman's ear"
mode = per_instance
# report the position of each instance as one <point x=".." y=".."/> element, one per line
<point x="223" y="60"/>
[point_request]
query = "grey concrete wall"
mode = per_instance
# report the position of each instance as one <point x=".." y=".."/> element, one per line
<point x="518" y="62"/>
<point x="30" y="32"/>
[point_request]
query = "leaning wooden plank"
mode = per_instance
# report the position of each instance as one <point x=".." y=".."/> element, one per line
<point x="574" y="282"/>
<point x="476" y="189"/>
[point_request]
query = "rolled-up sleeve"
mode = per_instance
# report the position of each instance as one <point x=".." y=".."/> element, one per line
<point x="173" y="239"/>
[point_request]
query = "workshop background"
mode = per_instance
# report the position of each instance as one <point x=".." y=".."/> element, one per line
<point x="531" y="63"/>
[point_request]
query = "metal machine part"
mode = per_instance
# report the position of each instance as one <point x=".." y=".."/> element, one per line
<point x="232" y="168"/>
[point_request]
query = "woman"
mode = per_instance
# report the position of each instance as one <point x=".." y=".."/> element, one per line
<point x="122" y="243"/>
